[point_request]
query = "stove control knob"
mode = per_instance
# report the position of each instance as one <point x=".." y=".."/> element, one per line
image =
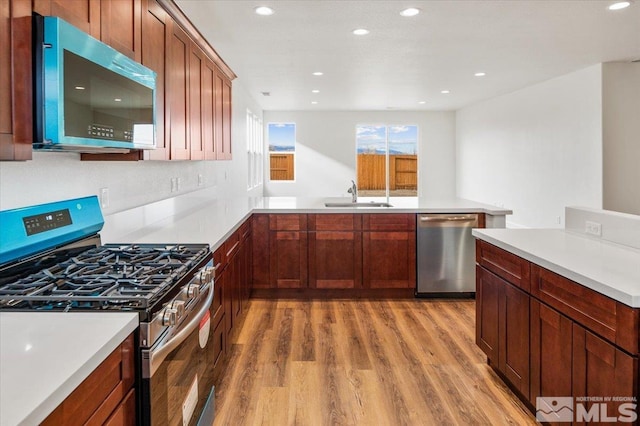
<point x="211" y="273"/>
<point x="178" y="306"/>
<point x="193" y="291"/>
<point x="169" y="317"/>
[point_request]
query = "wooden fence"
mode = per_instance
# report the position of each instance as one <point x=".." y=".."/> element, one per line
<point x="281" y="166"/>
<point x="403" y="172"/>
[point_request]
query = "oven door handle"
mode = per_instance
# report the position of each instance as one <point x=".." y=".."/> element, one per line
<point x="159" y="354"/>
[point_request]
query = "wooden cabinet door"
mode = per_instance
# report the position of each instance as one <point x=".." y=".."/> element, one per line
<point x="218" y="132"/>
<point x="16" y="94"/>
<point x="196" y="64"/>
<point x="207" y="93"/>
<point x="602" y="370"/>
<point x="551" y="348"/>
<point x="487" y="313"/>
<point x="121" y="26"/>
<point x="389" y="259"/>
<point x="335" y="259"/>
<point x="83" y="14"/>
<point x="156" y="39"/>
<point x="513" y="346"/>
<point x="178" y="95"/>
<point x="288" y="259"/>
<point x="226" y="119"/>
<point x="260" y="277"/>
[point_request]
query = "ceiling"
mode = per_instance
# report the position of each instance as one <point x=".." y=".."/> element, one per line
<point x="405" y="61"/>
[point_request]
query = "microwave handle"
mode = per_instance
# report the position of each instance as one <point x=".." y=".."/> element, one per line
<point x="157" y="355"/>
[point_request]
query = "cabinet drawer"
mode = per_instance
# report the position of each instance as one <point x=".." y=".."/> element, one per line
<point x="335" y="222"/>
<point x="504" y="264"/>
<point x="288" y="222"/>
<point x="389" y="222"/>
<point x="220" y="259"/>
<point x="245" y="230"/>
<point x="232" y="244"/>
<point x="612" y="320"/>
<point x="101" y="393"/>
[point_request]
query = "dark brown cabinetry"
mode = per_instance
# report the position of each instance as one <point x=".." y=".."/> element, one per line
<point x="335" y="251"/>
<point x="355" y="254"/>
<point x="156" y="38"/>
<point x="193" y="97"/>
<point x="389" y="251"/>
<point x="106" y="396"/>
<point x="232" y="289"/>
<point x="502" y="327"/>
<point x="288" y="251"/>
<point x="83" y="14"/>
<point x="16" y="134"/>
<point x="178" y="94"/>
<point x="582" y="343"/>
<point x="121" y="26"/>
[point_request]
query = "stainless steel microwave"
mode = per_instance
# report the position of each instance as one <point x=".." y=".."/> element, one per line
<point x="88" y="96"/>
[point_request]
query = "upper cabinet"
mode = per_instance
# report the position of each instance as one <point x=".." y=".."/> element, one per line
<point x="193" y="96"/>
<point x="16" y="98"/>
<point x="83" y="14"/>
<point x="121" y="26"/>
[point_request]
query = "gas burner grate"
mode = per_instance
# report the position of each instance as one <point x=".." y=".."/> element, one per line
<point x="107" y="277"/>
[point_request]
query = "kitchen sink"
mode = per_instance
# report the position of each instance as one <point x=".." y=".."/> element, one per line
<point x="350" y="204"/>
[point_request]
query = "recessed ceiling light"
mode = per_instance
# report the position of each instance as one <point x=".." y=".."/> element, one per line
<point x="445" y="92"/>
<point x="118" y="100"/>
<point x="422" y="102"/>
<point x="314" y="102"/>
<point x="79" y="87"/>
<point x="266" y="93"/>
<point x="264" y="10"/>
<point x="318" y="73"/>
<point x="480" y="74"/>
<point x="411" y="11"/>
<point x="620" y="5"/>
<point x="315" y="91"/>
<point x="361" y="31"/>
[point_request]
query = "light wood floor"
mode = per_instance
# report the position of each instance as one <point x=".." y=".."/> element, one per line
<point x="350" y="362"/>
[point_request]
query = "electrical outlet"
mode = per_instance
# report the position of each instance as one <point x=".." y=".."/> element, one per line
<point x="593" y="228"/>
<point x="178" y="183"/>
<point x="174" y="184"/>
<point x="104" y="198"/>
<point x="200" y="180"/>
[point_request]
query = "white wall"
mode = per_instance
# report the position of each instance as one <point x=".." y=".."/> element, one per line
<point x="536" y="150"/>
<point x="57" y="176"/>
<point x="325" y="160"/>
<point x="621" y="137"/>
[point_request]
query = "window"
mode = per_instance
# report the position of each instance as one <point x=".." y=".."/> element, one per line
<point x="387" y="160"/>
<point x="282" y="148"/>
<point x="255" y="150"/>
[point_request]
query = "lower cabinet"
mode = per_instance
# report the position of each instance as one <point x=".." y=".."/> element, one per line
<point x="547" y="348"/>
<point x="107" y="396"/>
<point x="334" y="252"/>
<point x="502" y="327"/>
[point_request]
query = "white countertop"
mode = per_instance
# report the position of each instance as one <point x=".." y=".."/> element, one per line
<point x="193" y="218"/>
<point x="46" y="355"/>
<point x="608" y="268"/>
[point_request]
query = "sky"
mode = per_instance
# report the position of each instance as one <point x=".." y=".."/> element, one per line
<point x="282" y="135"/>
<point x="401" y="138"/>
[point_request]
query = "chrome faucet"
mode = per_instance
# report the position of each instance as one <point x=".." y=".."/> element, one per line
<point x="354" y="192"/>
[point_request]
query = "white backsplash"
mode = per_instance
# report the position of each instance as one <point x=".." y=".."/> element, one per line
<point x="616" y="227"/>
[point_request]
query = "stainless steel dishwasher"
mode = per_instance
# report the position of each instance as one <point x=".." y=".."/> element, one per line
<point x="446" y="255"/>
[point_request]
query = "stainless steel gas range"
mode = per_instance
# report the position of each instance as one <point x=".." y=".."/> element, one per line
<point x="51" y="260"/>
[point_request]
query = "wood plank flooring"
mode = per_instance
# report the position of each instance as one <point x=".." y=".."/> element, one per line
<point x="360" y="362"/>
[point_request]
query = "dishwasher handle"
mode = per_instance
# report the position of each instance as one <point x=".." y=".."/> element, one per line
<point x="440" y="219"/>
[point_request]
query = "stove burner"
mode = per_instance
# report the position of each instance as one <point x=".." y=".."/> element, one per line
<point x="106" y="277"/>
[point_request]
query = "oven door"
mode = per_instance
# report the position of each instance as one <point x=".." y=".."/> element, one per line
<point x="177" y="372"/>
